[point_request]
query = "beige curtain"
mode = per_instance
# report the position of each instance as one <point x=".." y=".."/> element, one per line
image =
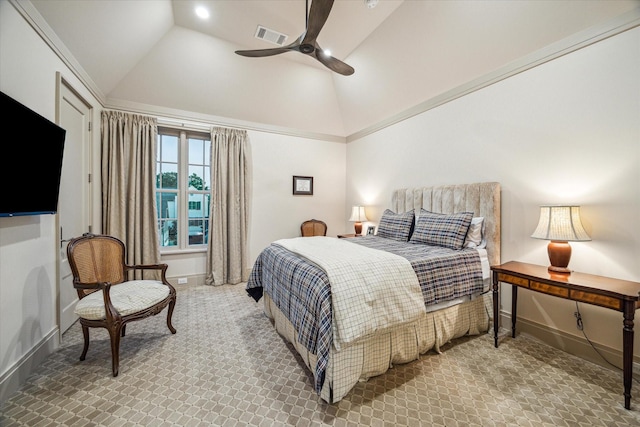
<point x="128" y="184"/>
<point x="227" y="250"/>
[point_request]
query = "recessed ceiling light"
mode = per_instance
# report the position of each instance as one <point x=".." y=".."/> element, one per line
<point x="326" y="52"/>
<point x="371" y="3"/>
<point x="202" y="12"/>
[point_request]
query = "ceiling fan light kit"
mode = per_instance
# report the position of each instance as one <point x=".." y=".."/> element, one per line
<point x="307" y="43"/>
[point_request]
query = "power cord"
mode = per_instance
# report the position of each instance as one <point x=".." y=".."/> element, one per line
<point x="580" y="326"/>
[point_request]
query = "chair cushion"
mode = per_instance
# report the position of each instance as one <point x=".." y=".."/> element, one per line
<point x="127" y="298"/>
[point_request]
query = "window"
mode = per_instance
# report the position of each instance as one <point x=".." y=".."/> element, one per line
<point x="183" y="171"/>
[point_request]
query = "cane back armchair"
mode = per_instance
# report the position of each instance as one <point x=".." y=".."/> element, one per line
<point x="313" y="227"/>
<point x="109" y="298"/>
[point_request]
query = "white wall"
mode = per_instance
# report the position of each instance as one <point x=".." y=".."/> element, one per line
<point x="28" y="247"/>
<point x="567" y="131"/>
<point x="275" y="212"/>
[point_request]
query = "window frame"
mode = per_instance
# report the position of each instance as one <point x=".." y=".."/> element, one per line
<point x="182" y="192"/>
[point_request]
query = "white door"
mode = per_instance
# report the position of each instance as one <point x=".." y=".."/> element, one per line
<point x="74" y="201"/>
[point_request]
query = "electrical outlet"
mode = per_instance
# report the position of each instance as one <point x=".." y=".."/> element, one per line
<point x="182" y="280"/>
<point x="636" y="369"/>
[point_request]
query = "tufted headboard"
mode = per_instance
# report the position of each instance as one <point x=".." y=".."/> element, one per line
<point x="483" y="199"/>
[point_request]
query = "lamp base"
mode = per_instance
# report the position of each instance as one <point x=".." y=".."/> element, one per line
<point x="560" y="270"/>
<point x="559" y="256"/>
<point x="358" y="227"/>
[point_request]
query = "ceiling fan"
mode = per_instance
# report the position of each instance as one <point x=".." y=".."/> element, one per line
<point x="307" y="43"/>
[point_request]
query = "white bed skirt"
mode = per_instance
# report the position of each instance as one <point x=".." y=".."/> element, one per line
<point x="373" y="356"/>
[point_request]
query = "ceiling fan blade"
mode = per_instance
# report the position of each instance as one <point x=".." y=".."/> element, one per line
<point x="317" y="17"/>
<point x="263" y="52"/>
<point x="306" y="43"/>
<point x="333" y="63"/>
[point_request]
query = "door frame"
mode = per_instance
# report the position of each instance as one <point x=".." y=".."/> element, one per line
<point x="88" y="158"/>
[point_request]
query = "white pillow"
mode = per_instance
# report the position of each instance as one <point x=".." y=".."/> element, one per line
<point x="475" y="235"/>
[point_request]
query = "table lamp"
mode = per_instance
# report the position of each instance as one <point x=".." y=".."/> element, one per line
<point x="560" y="225"/>
<point x="358" y="215"/>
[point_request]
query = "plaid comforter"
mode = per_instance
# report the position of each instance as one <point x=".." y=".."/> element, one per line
<point x="302" y="291"/>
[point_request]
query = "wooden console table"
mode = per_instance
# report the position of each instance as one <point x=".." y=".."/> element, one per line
<point x="619" y="295"/>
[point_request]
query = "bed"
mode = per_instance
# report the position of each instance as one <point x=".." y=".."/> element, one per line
<point x="352" y="308"/>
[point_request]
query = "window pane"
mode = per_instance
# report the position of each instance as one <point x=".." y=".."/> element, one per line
<point x="168" y="233"/>
<point x="167" y="218"/>
<point x="206" y="231"/>
<point x="196" y="181"/>
<point x="196" y="151"/>
<point x="206" y="178"/>
<point x="196" y="231"/>
<point x="197" y="161"/>
<point x="205" y="214"/>
<point x="198" y="218"/>
<point x="168" y="148"/>
<point x="167" y="205"/>
<point x="196" y="202"/>
<point x="167" y="176"/>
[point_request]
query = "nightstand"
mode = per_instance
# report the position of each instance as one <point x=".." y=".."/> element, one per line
<point x="619" y="295"/>
<point x="347" y="236"/>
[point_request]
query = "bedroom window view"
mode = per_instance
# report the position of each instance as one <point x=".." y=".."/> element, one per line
<point x="182" y="188"/>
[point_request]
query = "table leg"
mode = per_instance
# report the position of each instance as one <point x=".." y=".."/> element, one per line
<point x="627" y="351"/>
<point x="514" y="309"/>
<point x="496" y="308"/>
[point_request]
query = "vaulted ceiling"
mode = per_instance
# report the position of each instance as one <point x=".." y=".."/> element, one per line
<point x="157" y="54"/>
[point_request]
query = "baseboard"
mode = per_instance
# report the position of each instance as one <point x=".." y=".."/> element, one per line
<point x="192" y="280"/>
<point x="16" y="375"/>
<point x="578" y="346"/>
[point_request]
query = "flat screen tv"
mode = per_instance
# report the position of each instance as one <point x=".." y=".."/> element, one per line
<point x="31" y="161"/>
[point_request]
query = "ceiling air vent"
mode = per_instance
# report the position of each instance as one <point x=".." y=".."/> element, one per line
<point x="271" y="36"/>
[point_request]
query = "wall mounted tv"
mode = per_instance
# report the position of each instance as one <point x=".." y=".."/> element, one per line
<point x="31" y="161"/>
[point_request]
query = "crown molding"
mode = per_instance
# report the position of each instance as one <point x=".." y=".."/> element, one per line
<point x="198" y="121"/>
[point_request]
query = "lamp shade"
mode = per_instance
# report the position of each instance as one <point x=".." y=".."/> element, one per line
<point x="357" y="214"/>
<point x="560" y="223"/>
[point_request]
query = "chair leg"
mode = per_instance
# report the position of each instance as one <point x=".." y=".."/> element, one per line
<point x="85" y="333"/>
<point x="124" y="328"/>
<point x="172" y="304"/>
<point x="115" y="332"/>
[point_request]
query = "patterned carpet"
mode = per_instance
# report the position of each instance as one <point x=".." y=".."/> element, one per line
<point x="226" y="366"/>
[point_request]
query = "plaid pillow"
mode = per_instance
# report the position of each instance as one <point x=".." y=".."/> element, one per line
<point x="396" y="226"/>
<point x="446" y="230"/>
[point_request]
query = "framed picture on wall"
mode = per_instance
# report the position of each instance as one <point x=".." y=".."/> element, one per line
<point x="371" y="230"/>
<point x="303" y="185"/>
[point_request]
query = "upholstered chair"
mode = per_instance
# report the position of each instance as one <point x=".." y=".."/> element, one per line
<point x="109" y="296"/>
